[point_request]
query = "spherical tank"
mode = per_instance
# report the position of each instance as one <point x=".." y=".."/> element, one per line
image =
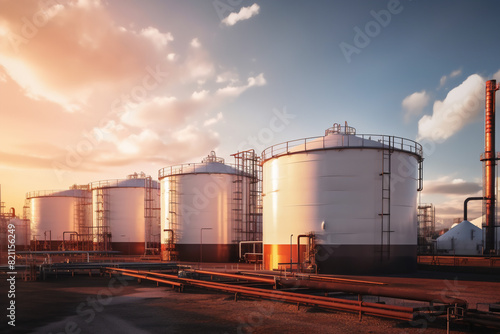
<point x="350" y="200"/>
<point x="125" y="215"/>
<point x="52" y="213"/>
<point x="198" y="215"/>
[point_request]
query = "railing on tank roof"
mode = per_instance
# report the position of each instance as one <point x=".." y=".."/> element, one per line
<point x="190" y="168"/>
<point x="367" y="141"/>
<point x="118" y="183"/>
<point x="55" y="193"/>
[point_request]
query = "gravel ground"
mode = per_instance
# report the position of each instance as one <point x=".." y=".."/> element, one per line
<point x="83" y="304"/>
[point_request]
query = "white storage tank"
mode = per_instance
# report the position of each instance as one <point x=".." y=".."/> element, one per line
<point x="351" y="198"/>
<point x="54" y="216"/>
<point x="204" y="211"/>
<point x="126" y="215"/>
<point x="22" y="233"/>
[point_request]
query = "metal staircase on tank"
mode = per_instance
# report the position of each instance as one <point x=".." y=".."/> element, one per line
<point x="247" y="199"/>
<point x="385" y="215"/>
<point x="102" y="232"/>
<point x="151" y="246"/>
<point x="238" y="205"/>
<point x="82" y="240"/>
<point x="173" y="216"/>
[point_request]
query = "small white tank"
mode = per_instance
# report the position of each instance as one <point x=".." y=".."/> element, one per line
<point x="126" y="214"/>
<point x="54" y="216"/>
<point x="200" y="217"/>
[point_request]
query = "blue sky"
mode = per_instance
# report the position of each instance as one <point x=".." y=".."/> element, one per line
<point x="197" y="82"/>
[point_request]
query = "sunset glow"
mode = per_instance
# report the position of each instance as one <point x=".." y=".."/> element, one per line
<point x="93" y="90"/>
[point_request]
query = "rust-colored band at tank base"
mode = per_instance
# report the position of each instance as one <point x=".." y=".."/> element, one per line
<point x="346" y="259"/>
<point x="129" y="248"/>
<point x="208" y="252"/>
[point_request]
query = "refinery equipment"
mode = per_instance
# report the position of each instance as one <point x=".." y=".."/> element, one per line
<point x="489" y="159"/>
<point x="426" y="227"/>
<point x="462" y="239"/>
<point x="126" y="215"/>
<point x="351" y="198"/>
<point x="209" y="207"/>
<point x="58" y="218"/>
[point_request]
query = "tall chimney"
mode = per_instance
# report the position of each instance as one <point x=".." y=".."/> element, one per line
<point x="489" y="168"/>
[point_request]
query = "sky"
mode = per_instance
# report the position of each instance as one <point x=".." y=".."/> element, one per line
<point x="95" y="90"/>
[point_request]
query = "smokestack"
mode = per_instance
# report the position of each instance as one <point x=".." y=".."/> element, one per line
<point x="489" y="168"/>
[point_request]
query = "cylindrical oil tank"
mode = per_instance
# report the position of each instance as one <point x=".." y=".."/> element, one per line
<point x="203" y="211"/>
<point x="55" y="215"/>
<point x="351" y="201"/>
<point x="22" y="233"/>
<point x="126" y="215"/>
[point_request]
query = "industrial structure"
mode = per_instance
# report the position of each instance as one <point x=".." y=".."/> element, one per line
<point x="208" y="208"/>
<point x="426" y="225"/>
<point x="125" y="215"/>
<point x="59" y="218"/>
<point x="352" y="199"/>
<point x="490" y="160"/>
<point x="462" y="239"/>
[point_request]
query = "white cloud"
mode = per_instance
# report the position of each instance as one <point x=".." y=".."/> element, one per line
<point x="496" y="76"/>
<point x="257" y="81"/>
<point x="414" y="104"/>
<point x="232" y="90"/>
<point x="461" y="105"/>
<point x="456" y="73"/>
<point x="244" y="14"/>
<point x="199" y="95"/>
<point x="447" y="185"/>
<point x="453" y="74"/>
<point x="97" y="52"/>
<point x="132" y="92"/>
<point x="159" y="39"/>
<point x="195" y="43"/>
<point x="228" y="76"/>
<point x="213" y="120"/>
<point x="172" y="56"/>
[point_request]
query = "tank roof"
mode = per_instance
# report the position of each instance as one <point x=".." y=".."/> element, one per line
<point x="132" y="181"/>
<point x="57" y="193"/>
<point x="343" y="137"/>
<point x="198" y="168"/>
<point x="210" y="164"/>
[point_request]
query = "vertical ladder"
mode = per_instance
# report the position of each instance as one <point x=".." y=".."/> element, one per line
<point x="239" y="230"/>
<point x="148" y="215"/>
<point x="385" y="215"/>
<point x="102" y="228"/>
<point x="173" y="217"/>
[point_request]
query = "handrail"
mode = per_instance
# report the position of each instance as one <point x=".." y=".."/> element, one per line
<point x="190" y="168"/>
<point x="56" y="193"/>
<point x="119" y="183"/>
<point x="347" y="140"/>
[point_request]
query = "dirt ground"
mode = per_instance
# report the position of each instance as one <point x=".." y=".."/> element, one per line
<point x="83" y="304"/>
